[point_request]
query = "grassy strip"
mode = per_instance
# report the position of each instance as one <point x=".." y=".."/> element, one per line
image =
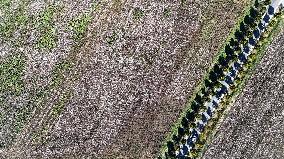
<point x="58" y="108"/>
<point x="79" y="26"/>
<point x="11" y="86"/>
<point x="212" y="128"/>
<point x="45" y="25"/>
<point x="200" y="143"/>
<point x="11" y="72"/>
<point x="13" y="19"/>
<point x="62" y="70"/>
<point x="201" y="83"/>
<point x="39" y="136"/>
<point x="48" y="32"/>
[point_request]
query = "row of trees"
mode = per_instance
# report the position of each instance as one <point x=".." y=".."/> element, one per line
<point x="244" y="32"/>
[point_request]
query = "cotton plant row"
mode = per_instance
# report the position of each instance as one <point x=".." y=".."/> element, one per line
<point x="221" y="80"/>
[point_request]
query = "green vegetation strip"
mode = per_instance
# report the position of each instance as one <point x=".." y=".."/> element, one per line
<point x="61" y="74"/>
<point x="11" y="69"/>
<point x="11" y="86"/>
<point x="13" y="20"/>
<point x="11" y="72"/>
<point x="45" y="25"/>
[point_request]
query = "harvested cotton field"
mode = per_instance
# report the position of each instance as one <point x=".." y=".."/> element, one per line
<point x="103" y="79"/>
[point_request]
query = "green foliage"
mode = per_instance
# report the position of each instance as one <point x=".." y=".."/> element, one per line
<point x="111" y="39"/>
<point x="58" y="108"/>
<point x="59" y="71"/>
<point x="183" y="2"/>
<point x="45" y="26"/>
<point x="21" y="117"/>
<point x="5" y="3"/>
<point x="256" y="3"/>
<point x="79" y="26"/>
<point x="267" y="2"/>
<point x="138" y="13"/>
<point x="12" y="20"/>
<point x="167" y="12"/>
<point x="11" y="71"/>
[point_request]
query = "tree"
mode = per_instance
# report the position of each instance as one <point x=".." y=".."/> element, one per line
<point x="200" y="126"/>
<point x="208" y="84"/>
<point x="209" y="112"/>
<point x="176" y="139"/>
<point x="239" y="35"/>
<point x="204" y="92"/>
<point x="256" y="33"/>
<point x="234" y="44"/>
<point x="270" y="10"/>
<point x="253" y="12"/>
<point x="198" y="99"/>
<point x="194" y="106"/>
<point x="243" y="27"/>
<point x="261" y="26"/>
<point x="252" y="41"/>
<point x="181" y="131"/>
<point x="171" y="149"/>
<point x="266" y="18"/>
<point x="256" y="4"/>
<point x="222" y="61"/>
<point x="229" y="57"/>
<point x="218" y="70"/>
<point x="184" y="122"/>
<point x="204" y="119"/>
<point x="213" y="77"/>
<point x="229" y="50"/>
<point x="190" y="116"/>
<point x="249" y="20"/>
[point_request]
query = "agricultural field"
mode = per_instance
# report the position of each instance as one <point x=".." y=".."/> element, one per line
<point x="114" y="78"/>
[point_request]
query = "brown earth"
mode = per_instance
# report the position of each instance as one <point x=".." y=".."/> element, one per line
<point x="138" y="66"/>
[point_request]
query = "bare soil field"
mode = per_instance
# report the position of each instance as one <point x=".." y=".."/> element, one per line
<point x="103" y="79"/>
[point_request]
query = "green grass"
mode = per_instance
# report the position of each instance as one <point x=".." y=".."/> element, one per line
<point x="46" y="27"/>
<point x="58" y="107"/>
<point x="138" y="13"/>
<point x="11" y="72"/>
<point x="112" y="38"/>
<point x="12" y="85"/>
<point x="12" y="19"/>
<point x="5" y="3"/>
<point x="59" y="71"/>
<point x="167" y="12"/>
<point x="79" y="26"/>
